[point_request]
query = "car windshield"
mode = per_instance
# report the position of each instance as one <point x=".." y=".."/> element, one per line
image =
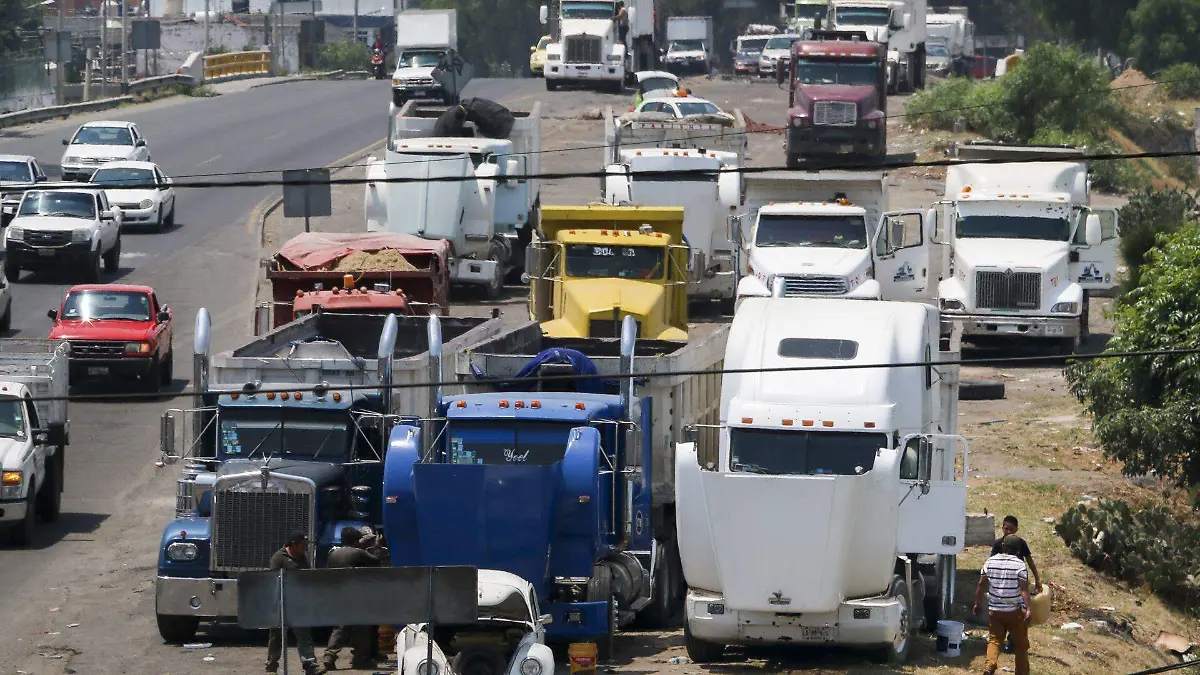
<point x="803" y="453"/>
<point x="862" y="16"/>
<point x="420" y="59"/>
<point x="816" y="231"/>
<point x="694" y="108"/>
<point x="106" y="306"/>
<point x="275" y="431"/>
<point x="658" y="84"/>
<point x="123" y="177"/>
<point x="828" y="72"/>
<point x="17" y="172"/>
<point x="593" y="261"/>
<point x="779" y="43"/>
<point x="1013" y="227"/>
<point x="937" y="50"/>
<point x="587" y="10"/>
<point x="12" y="418"/>
<point x="505" y="443"/>
<point x="542" y="43"/>
<point x="102" y="136"/>
<point x="754" y="46"/>
<point x="66" y="204"/>
<point x="686" y="46"/>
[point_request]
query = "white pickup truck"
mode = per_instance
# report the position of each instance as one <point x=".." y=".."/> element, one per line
<point x="64" y="225"/>
<point x="33" y="434"/>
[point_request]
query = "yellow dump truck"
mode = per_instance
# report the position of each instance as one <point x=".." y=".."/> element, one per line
<point x="590" y="266"/>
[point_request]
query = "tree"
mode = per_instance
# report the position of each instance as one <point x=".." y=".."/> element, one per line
<point x="15" y="19"/>
<point x="1054" y="88"/>
<point x="1148" y="214"/>
<point x="1088" y="21"/>
<point x="1144" y="408"/>
<point x="1164" y="32"/>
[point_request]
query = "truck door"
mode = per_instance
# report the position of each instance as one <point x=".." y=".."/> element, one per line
<point x="511" y="193"/>
<point x="933" y="495"/>
<point x="901" y="255"/>
<point x="1095" y="267"/>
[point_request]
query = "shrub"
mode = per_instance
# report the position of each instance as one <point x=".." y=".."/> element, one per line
<point x="1180" y="81"/>
<point x="1148" y="214"/>
<point x="940" y="106"/>
<point x="1146" y="546"/>
<point x="344" y="55"/>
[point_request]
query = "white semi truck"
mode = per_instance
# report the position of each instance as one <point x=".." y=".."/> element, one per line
<point x="832" y="508"/>
<point x="488" y="221"/>
<point x="898" y="23"/>
<point x="950" y="42"/>
<point x="423" y="38"/>
<point x="636" y="146"/>
<point x="586" y="46"/>
<point x="801" y="15"/>
<point x="1024" y="247"/>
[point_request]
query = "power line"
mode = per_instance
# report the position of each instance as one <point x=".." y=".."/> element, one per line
<point x="318" y="389"/>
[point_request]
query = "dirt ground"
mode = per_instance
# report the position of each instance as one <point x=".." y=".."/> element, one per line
<point x="1031" y="454"/>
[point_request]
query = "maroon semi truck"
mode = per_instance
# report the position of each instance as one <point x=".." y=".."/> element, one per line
<point x="837" y="97"/>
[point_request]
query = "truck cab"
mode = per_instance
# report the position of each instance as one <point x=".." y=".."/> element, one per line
<point x="593" y="265"/>
<point x="423" y="38"/>
<point x="33" y="435"/>
<point x="897" y="24"/>
<point x="801" y="15"/>
<point x="586" y="48"/>
<point x="837" y="100"/>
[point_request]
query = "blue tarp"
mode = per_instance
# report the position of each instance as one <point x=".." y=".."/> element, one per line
<point x="579" y="362"/>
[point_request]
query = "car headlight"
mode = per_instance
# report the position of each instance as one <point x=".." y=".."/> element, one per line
<point x="137" y="347"/>
<point x="1065" y="307"/>
<point x="16" y="233"/>
<point x="950" y="305"/>
<point x="395" y="82"/>
<point x="10" y="484"/>
<point x="145" y="203"/>
<point x="70" y="160"/>
<point x="81" y="236"/>
<point x="427" y="668"/>
<point x="554" y="57"/>
<point x="181" y="551"/>
<point x="531" y="666"/>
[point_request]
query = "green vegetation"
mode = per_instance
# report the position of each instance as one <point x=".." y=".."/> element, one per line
<point x="1180" y="81"/>
<point x="17" y="17"/>
<point x="344" y="55"/>
<point x="1147" y="215"/>
<point x="1147" y="546"/>
<point x="1156" y="33"/>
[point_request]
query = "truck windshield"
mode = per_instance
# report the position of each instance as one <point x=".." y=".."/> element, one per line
<point x="807" y="12"/>
<point x="587" y="10"/>
<point x="817" y="231"/>
<point x="275" y="431"/>
<point x="686" y="46"/>
<point x="592" y="261"/>
<point x="15" y="172"/>
<point x="12" y="418"/>
<point x="507" y="442"/>
<point x="64" y="204"/>
<point x="657" y="84"/>
<point x="106" y="306"/>
<point x="420" y="59"/>
<point x="935" y="49"/>
<point x="752" y="47"/>
<point x="864" y="73"/>
<point x="861" y="16"/>
<point x="777" y="452"/>
<point x="1012" y="227"/>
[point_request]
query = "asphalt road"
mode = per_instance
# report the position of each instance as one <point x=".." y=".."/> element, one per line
<point x="95" y="567"/>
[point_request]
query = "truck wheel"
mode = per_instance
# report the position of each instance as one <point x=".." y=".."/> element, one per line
<point x="793" y="160"/>
<point x="662" y="609"/>
<point x="397" y="99"/>
<point x="495" y="286"/>
<point x="112" y="259"/>
<point x="6" y="320"/>
<point x="599" y="589"/>
<point x="896" y="654"/>
<point x="701" y="651"/>
<point x="12" y="271"/>
<point x="169" y="222"/>
<point x="152" y="379"/>
<point x="551" y="85"/>
<point x="168" y="368"/>
<point x="177" y="629"/>
<point x="92" y="273"/>
<point x="22" y="532"/>
<point x="980" y="390"/>
<point x="49" y="500"/>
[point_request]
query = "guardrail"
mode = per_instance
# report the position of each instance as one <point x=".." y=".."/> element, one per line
<point x="63" y="111"/>
<point x="153" y="84"/>
<point x="236" y="64"/>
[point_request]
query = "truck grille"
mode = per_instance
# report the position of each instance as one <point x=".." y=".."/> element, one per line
<point x="93" y="350"/>
<point x="418" y="81"/>
<point x="813" y="284"/>
<point x="609" y="328"/>
<point x="835" y="113"/>
<point x="250" y="524"/>
<point x="1008" y="290"/>
<point x="581" y="50"/>
<point x="39" y="238"/>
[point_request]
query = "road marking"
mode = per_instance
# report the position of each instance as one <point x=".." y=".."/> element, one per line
<point x="211" y="159"/>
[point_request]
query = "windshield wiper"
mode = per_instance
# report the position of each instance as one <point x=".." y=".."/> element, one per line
<point x="752" y="468"/>
<point x="277" y="426"/>
<point x="63" y="213"/>
<point x="323" y="442"/>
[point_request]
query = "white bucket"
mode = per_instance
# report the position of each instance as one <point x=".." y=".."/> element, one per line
<point x="949" y="638"/>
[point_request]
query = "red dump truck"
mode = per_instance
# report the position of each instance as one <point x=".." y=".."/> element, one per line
<point x="368" y="272"/>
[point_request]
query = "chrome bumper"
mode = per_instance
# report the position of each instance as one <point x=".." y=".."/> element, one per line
<point x="584" y="73"/>
<point x="175" y="596"/>
<point x="12" y="512"/>
<point x="1018" y="326"/>
<point x="868" y="622"/>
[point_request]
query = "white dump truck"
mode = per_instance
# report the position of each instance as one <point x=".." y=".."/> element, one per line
<point x="1023" y="246"/>
<point x="488" y="220"/>
<point x="832" y="507"/>
<point x="33" y="434"/>
<point x="636" y="144"/>
<point x="950" y="42"/>
<point x="898" y="23"/>
<point x="423" y="38"/>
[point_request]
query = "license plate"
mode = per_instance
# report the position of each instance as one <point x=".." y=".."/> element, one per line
<point x="846" y="148"/>
<point x="1054" y="330"/>
<point x="100" y="370"/>
<point x="815" y="632"/>
<point x="418" y="92"/>
<point x="46" y="253"/>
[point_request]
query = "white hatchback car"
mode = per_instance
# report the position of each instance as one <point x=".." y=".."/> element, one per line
<point x="97" y="143"/>
<point x="152" y="201"/>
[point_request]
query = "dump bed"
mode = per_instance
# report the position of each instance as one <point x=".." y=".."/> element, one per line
<point x="861" y="188"/>
<point x="636" y="131"/>
<point x="975" y="151"/>
<point x="342" y="349"/>
<point x="677" y="400"/>
<point x="40" y="365"/>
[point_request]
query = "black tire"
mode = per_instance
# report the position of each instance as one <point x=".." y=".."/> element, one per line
<point x="112" y="259"/>
<point x="980" y="390"/>
<point x="551" y="85"/>
<point x="12" y="271"/>
<point x="701" y="651"/>
<point x="793" y="160"/>
<point x="22" y="532"/>
<point x="152" y="379"/>
<point x="664" y="607"/>
<point x="6" y="320"/>
<point x="479" y="660"/>
<point x="398" y="99"/>
<point x="169" y="222"/>
<point x="92" y="273"/>
<point x="1085" y="330"/>
<point x="599" y="589"/>
<point x="168" y="368"/>
<point x="177" y="629"/>
<point x="495" y="286"/>
<point x="896" y="654"/>
<point x="49" y="500"/>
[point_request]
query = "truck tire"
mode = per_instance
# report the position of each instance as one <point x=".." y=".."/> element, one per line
<point x="92" y="273"/>
<point x="168" y="368"/>
<point x="398" y="98"/>
<point x="599" y="589"/>
<point x="896" y="654"/>
<point x="49" y="500"/>
<point x="701" y="651"/>
<point x="663" y="608"/>
<point x="495" y="286"/>
<point x="793" y="160"/>
<point x="551" y="85"/>
<point x="12" y="271"/>
<point x="168" y="222"/>
<point x="980" y="390"/>
<point x="177" y="629"/>
<point x="112" y="259"/>
<point x="152" y="379"/>
<point x="22" y="533"/>
<point x="6" y="320"/>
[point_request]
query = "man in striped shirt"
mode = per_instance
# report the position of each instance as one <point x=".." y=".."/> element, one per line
<point x="1006" y="579"/>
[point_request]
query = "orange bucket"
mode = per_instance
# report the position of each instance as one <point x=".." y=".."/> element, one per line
<point x="582" y="657"/>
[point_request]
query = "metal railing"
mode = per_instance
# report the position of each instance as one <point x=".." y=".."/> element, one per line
<point x="237" y="64"/>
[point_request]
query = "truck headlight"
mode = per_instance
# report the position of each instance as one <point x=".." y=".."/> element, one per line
<point x="395" y="82"/>
<point x="81" y="236"/>
<point x="1065" y="308"/>
<point x="181" y="551"/>
<point x="531" y="666"/>
<point x="614" y="58"/>
<point x="427" y="668"/>
<point x="16" y="233"/>
<point x="137" y="347"/>
<point x="800" y="121"/>
<point x="145" y="203"/>
<point x="950" y="305"/>
<point x="10" y="484"/>
<point x="871" y="124"/>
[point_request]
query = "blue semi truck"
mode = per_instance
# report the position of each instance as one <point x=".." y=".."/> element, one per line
<point x="568" y="483"/>
<point x="260" y="462"/>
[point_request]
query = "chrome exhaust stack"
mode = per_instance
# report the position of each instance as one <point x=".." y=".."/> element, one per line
<point x="387" y="348"/>
<point x="628" y="341"/>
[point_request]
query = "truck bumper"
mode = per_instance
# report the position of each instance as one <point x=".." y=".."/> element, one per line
<point x="206" y="598"/>
<point x="574" y="620"/>
<point x="428" y="92"/>
<point x="12" y="511"/>
<point x="580" y="72"/>
<point x="686" y="67"/>
<point x="468" y="271"/>
<point x="34" y="257"/>
<point x="870" y="622"/>
<point x="1018" y="326"/>
<point x="836" y="140"/>
<point x="82" y="369"/>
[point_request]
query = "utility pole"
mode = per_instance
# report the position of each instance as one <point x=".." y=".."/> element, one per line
<point x="104" y="49"/>
<point x="124" y="46"/>
<point x="60" y="78"/>
<point x="206" y="27"/>
<point x="279" y="42"/>
<point x="356" y="21"/>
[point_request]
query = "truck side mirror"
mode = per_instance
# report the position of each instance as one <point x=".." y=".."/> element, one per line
<point x="1091" y="231"/>
<point x="543" y="14"/>
<point x="924" y="461"/>
<point x="545" y="619"/>
<point x="930" y="225"/>
<point x="53" y="314"/>
<point x="689" y="434"/>
<point x="66" y="141"/>
<point x="512" y="168"/>
<point x="164" y="316"/>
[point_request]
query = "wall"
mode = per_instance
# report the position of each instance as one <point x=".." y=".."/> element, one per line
<point x="25" y="83"/>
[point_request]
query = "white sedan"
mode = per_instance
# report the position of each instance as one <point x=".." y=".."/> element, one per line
<point x="682" y="106"/>
<point x="152" y="201"/>
<point x="96" y="143"/>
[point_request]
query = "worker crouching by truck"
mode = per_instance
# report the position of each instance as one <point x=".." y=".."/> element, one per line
<point x="357" y="550"/>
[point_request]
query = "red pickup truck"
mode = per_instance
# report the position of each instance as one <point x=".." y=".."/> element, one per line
<point x="115" y="331"/>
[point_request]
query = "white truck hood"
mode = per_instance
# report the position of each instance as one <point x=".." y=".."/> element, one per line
<point x="100" y="151"/>
<point x="808" y="260"/>
<point x="11" y="450"/>
<point x="413" y="72"/>
<point x="686" y="54"/>
<point x="51" y="223"/>
<point x="1014" y="253"/>
<point x="874" y="33"/>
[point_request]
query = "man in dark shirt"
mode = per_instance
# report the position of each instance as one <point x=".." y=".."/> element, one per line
<point x="355" y="551"/>
<point x="292" y="557"/>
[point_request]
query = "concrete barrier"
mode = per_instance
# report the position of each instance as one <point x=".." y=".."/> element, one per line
<point x="60" y="111"/>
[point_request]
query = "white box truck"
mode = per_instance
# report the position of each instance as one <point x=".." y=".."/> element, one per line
<point x="950" y="42"/>
<point x="832" y="507"/>
<point x="689" y="45"/>
<point x="898" y="23"/>
<point x="423" y="37"/>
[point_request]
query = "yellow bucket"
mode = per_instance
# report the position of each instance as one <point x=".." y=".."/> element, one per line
<point x="582" y="657"/>
<point x="1039" y="610"/>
